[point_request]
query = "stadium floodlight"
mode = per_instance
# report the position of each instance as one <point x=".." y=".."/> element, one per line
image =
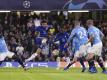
<point x="78" y="11"/>
<point x="42" y="11"/>
<point x="4" y="11"/>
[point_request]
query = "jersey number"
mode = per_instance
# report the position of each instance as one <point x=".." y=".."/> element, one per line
<point x="82" y="34"/>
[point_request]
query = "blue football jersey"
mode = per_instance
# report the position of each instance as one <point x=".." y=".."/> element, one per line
<point x="80" y="33"/>
<point x="42" y="31"/>
<point x="3" y="46"/>
<point x="95" y="33"/>
<point x="62" y="38"/>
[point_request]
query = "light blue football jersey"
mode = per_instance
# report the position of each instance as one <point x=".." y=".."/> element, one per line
<point x="96" y="34"/>
<point x="81" y="34"/>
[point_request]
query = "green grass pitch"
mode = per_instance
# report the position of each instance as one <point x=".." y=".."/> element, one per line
<point x="49" y="74"/>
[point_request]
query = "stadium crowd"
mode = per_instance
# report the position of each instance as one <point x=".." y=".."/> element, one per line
<point x="19" y="32"/>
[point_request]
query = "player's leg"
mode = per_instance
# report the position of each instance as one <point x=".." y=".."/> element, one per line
<point x="92" y="67"/>
<point x="1" y="62"/>
<point x="15" y="57"/>
<point x="90" y="58"/>
<point x="100" y="62"/>
<point x="68" y="60"/>
<point x="59" y="58"/>
<point x="67" y="55"/>
<point x="18" y="60"/>
<point x="58" y="63"/>
<point x="75" y="59"/>
<point x="83" y="53"/>
<point x="71" y="63"/>
<point x="2" y="57"/>
<point x="82" y="63"/>
<point x="33" y="55"/>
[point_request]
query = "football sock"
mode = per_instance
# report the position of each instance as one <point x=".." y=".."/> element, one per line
<point x="1" y="62"/>
<point x="18" y="60"/>
<point x="31" y="58"/>
<point x="82" y="62"/>
<point x="69" y="65"/>
<point x="100" y="62"/>
<point x="68" y="60"/>
<point x="58" y="62"/>
<point x="91" y="63"/>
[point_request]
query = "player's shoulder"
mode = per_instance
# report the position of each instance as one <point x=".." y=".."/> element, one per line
<point x="91" y="28"/>
<point x="82" y="28"/>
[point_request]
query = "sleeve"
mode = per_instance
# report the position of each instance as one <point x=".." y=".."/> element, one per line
<point x="71" y="36"/>
<point x="90" y="33"/>
<point x="101" y="34"/>
<point x="56" y="38"/>
<point x="67" y="35"/>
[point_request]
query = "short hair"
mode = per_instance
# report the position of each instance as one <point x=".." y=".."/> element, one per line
<point x="90" y="21"/>
<point x="44" y="21"/>
<point x="76" y="22"/>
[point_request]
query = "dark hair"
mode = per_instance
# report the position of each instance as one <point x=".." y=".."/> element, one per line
<point x="44" y="21"/>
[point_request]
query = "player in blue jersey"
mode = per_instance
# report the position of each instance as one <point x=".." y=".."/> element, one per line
<point x="4" y="52"/>
<point x="40" y="39"/>
<point x="81" y="34"/>
<point x="95" y="37"/>
<point x="41" y="31"/>
<point x="62" y="37"/>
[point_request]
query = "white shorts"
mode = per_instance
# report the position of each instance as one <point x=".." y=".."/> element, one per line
<point x="3" y="55"/>
<point x="96" y="49"/>
<point x="83" y="50"/>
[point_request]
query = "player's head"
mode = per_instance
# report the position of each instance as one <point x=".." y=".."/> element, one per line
<point x="77" y="23"/>
<point x="61" y="30"/>
<point x="44" y="23"/>
<point x="90" y="22"/>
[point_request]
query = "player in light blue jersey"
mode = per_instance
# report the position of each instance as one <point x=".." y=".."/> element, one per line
<point x="95" y="37"/>
<point x="81" y="34"/>
<point x="4" y="52"/>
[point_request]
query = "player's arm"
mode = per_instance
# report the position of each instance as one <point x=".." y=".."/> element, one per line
<point x="101" y="35"/>
<point x="56" y="39"/>
<point x="70" y="38"/>
<point x="90" y="36"/>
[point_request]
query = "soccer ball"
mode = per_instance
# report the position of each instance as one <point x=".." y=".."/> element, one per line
<point x="87" y="4"/>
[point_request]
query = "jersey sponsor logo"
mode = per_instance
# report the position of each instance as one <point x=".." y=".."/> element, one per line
<point x="45" y="64"/>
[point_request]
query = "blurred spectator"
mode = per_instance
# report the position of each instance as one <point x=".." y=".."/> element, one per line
<point x="20" y="51"/>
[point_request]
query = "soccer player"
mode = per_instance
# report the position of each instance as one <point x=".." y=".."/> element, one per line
<point x="41" y="34"/>
<point x="62" y="37"/>
<point x="4" y="52"/>
<point x="95" y="37"/>
<point x="81" y="34"/>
